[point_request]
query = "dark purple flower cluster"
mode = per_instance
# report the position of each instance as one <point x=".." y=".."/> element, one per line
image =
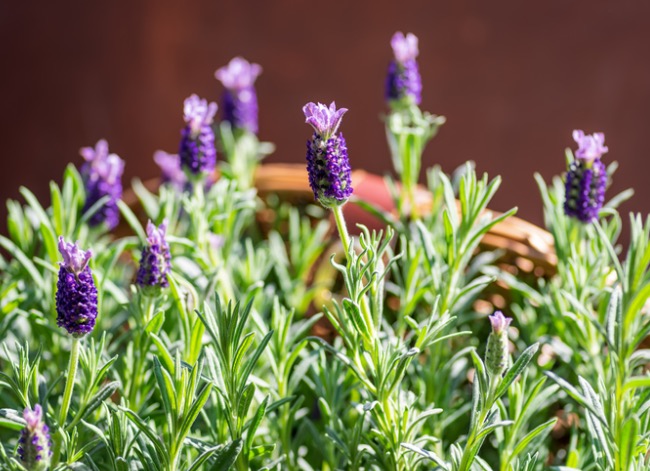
<point x="35" y="446"/>
<point x="102" y="175"/>
<point x="198" y="153"/>
<point x="403" y="79"/>
<point x="586" y="178"/>
<point x="76" y="295"/>
<point x="328" y="166"/>
<point x="155" y="261"/>
<point x="239" y="100"/>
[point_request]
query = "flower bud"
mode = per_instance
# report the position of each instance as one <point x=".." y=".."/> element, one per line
<point x="198" y="152"/>
<point x="496" y="353"/>
<point x="34" y="448"/>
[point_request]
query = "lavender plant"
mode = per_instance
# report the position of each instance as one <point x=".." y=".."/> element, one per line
<point x="245" y="331"/>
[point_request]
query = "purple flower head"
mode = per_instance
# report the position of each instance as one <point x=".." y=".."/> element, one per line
<point x="324" y="120"/>
<point x="34" y="445"/>
<point x="328" y="166"/>
<point x="102" y="175"/>
<point x="239" y="99"/>
<point x="76" y="295"/>
<point x="586" y="182"/>
<point x="405" y="48"/>
<point x="171" y="170"/>
<point x="197" y="152"/>
<point x="403" y="81"/>
<point x="499" y="322"/>
<point x="155" y="261"/>
<point x="590" y="147"/>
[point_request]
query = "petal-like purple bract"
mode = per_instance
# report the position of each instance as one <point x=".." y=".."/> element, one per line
<point x="155" y="261"/>
<point x="170" y="169"/>
<point x="499" y="322"/>
<point x="405" y="48"/>
<point x="238" y="74"/>
<point x="325" y="120"/>
<point x="34" y="445"/>
<point x="590" y="147"/>
<point x="76" y="295"/>
<point x="197" y="150"/>
<point x="102" y="175"/>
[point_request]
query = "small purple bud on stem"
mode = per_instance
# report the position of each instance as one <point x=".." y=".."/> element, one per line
<point x="34" y="448"/>
<point x="586" y="179"/>
<point x="496" y="353"/>
<point x="155" y="261"/>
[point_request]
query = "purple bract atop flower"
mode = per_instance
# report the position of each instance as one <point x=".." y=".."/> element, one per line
<point x="586" y="179"/>
<point x="76" y="295"/>
<point x="499" y="322"/>
<point x="589" y="147"/>
<point x="197" y="152"/>
<point x="496" y="353"/>
<point x="102" y="174"/>
<point x="328" y="166"/>
<point x="325" y="120"/>
<point x="171" y="170"/>
<point x="239" y="99"/>
<point x="155" y="261"/>
<point x="403" y="81"/>
<point x="35" y="446"/>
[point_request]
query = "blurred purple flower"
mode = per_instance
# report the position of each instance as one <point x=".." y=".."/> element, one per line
<point x="239" y="99"/>
<point x="590" y="147"/>
<point x="171" y="170"/>
<point x="197" y="152"/>
<point x="34" y="445"/>
<point x="155" y="261"/>
<point x="403" y="79"/>
<point x="102" y="175"/>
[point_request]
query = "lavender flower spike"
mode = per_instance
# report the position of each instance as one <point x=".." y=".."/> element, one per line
<point x="171" y="170"/>
<point x="496" y="353"/>
<point x="155" y="261"/>
<point x="403" y="81"/>
<point x="76" y="295"/>
<point x="34" y="448"/>
<point x="328" y="166"/>
<point x="586" y="178"/>
<point x="239" y="100"/>
<point x="102" y="175"/>
<point x="197" y="151"/>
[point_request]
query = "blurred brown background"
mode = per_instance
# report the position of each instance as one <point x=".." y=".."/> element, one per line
<point x="513" y="78"/>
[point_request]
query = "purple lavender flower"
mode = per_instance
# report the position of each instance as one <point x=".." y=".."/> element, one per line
<point x="328" y="166"/>
<point x="102" y="175"/>
<point x="155" y="261"/>
<point x="586" y="178"/>
<point x="34" y="448"/>
<point x="239" y="100"/>
<point x="403" y="81"/>
<point x="496" y="353"/>
<point x="76" y="295"/>
<point x="171" y="170"/>
<point x="197" y="151"/>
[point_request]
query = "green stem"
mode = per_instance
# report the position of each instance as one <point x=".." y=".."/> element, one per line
<point x="468" y="455"/>
<point x="67" y="398"/>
